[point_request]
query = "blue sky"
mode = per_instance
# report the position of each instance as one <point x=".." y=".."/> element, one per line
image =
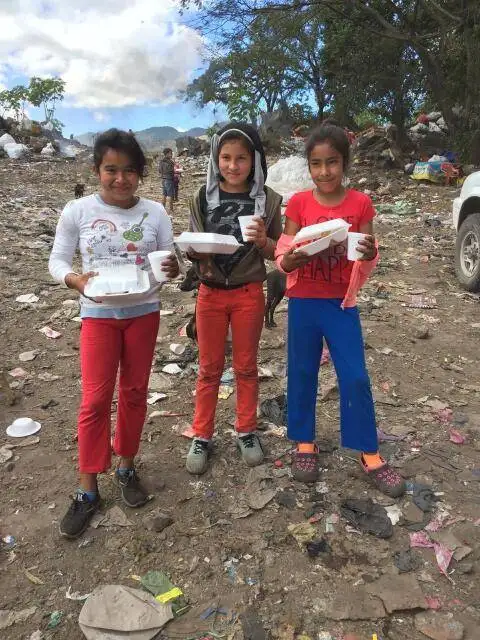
<point x="123" y="61"/>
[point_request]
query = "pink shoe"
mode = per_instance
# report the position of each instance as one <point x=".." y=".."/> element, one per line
<point x="385" y="479"/>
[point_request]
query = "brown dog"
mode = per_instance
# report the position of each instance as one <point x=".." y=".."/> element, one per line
<point x="79" y="190"/>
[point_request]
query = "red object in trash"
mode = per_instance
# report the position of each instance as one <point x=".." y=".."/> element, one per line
<point x="423" y="119"/>
<point x="278" y="464"/>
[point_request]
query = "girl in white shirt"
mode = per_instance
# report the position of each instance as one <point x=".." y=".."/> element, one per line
<point x="112" y="225"/>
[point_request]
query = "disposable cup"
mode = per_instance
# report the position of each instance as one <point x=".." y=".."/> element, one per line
<point x="353" y="239"/>
<point x="244" y="222"/>
<point x="156" y="258"/>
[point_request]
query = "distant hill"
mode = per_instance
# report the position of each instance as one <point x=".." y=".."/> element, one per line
<point x="152" y="139"/>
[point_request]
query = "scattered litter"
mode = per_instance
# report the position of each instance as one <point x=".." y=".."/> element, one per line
<point x="9" y="542"/>
<point x="456" y="437"/>
<point x="166" y="312"/>
<point x="316" y="547"/>
<point x="264" y="373"/>
<point x="367" y="516"/>
<point x="188" y="433"/>
<point x="424" y="497"/>
<point x="398" y="208"/>
<point x="159" y="585"/>
<point x="225" y="391"/>
<point x="9" y="617"/>
<point x="303" y="532"/>
<point x="26" y="356"/>
<point x="28" y="298"/>
<point x="259" y="489"/>
<point x="75" y="595"/>
<point x="228" y="376"/>
<point x="50" y="333"/>
<point x="177" y="349"/>
<point x="156" y="397"/>
<point x="23" y="427"/>
<point x="394" y="513"/>
<point x="18" y="372"/>
<point x="33" y="579"/>
<point x="46" y="376"/>
<point x="117" y="611"/>
<point x="330" y="521"/>
<point x="275" y="409"/>
<point x="442" y="553"/>
<point x="406" y="561"/>
<point x="55" y="619"/>
<point x="114" y="517"/>
<point x="286" y="498"/>
<point x="172" y="369"/>
<point x="422" y="302"/>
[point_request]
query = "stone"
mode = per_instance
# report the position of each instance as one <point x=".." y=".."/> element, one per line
<point x="439" y="626"/>
<point x="398" y="593"/>
<point x="158" y="522"/>
<point x="348" y="604"/>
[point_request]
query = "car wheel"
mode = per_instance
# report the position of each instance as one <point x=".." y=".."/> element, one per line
<point x="467" y="253"/>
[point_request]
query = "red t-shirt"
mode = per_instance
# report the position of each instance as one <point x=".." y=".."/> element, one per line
<point x="328" y="274"/>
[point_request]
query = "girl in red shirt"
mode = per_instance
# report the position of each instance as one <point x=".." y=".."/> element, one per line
<point x="319" y="309"/>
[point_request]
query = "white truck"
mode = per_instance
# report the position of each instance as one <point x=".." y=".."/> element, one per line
<point x="466" y="221"/>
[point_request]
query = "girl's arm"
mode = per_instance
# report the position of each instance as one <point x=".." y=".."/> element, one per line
<point x="165" y="243"/>
<point x="64" y="246"/>
<point x="290" y="260"/>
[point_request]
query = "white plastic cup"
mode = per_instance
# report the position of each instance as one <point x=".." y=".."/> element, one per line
<point x="353" y="239"/>
<point x="244" y="222"/>
<point x="156" y="258"/>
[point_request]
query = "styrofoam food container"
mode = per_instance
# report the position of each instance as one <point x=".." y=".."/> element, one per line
<point x="23" y="427"/>
<point x="335" y="230"/>
<point x="207" y="242"/>
<point x="156" y="258"/>
<point x="353" y="240"/>
<point x="244" y="222"/>
<point x="117" y="282"/>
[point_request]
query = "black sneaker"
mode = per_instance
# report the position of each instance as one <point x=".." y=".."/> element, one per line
<point x="78" y="516"/>
<point x="133" y="493"/>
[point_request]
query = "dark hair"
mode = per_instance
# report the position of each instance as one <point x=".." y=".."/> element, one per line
<point x="119" y="141"/>
<point x="335" y="136"/>
<point x="167" y="150"/>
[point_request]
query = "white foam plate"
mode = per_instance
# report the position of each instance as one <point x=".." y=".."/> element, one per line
<point x="101" y="289"/>
<point x="336" y="230"/>
<point x="207" y="242"/>
<point x="19" y="430"/>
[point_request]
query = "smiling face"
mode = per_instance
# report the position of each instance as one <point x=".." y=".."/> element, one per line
<point x="326" y="168"/>
<point x="235" y="164"/>
<point x="118" y="179"/>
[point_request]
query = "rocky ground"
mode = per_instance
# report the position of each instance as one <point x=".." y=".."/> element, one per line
<point x="250" y="564"/>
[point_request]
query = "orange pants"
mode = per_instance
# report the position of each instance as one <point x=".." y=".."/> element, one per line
<point x="243" y="309"/>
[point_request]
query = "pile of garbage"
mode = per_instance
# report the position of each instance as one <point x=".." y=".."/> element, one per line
<point x="28" y="137"/>
<point x="432" y="122"/>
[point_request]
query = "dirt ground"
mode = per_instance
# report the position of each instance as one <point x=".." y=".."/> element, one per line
<point x="424" y="370"/>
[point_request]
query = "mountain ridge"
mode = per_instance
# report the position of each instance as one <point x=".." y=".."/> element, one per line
<point x="152" y="138"/>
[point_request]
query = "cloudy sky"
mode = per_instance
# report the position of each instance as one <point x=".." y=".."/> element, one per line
<point x="123" y="61"/>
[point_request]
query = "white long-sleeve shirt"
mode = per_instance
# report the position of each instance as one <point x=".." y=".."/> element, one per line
<point x="104" y="232"/>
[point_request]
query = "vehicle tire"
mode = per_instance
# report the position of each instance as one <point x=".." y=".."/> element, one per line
<point x="467" y="253"/>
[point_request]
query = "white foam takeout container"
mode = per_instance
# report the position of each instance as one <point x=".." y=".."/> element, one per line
<point x="207" y="242"/>
<point x="308" y="241"/>
<point x="118" y="283"/>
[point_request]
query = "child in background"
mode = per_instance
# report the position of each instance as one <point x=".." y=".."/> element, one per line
<point x="177" y="174"/>
<point x="167" y="173"/>
<point x="113" y="224"/>
<point x="322" y="304"/>
<point x="231" y="289"/>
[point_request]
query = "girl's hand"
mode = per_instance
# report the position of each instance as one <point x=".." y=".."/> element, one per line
<point x="79" y="282"/>
<point x="256" y="232"/>
<point x="193" y="255"/>
<point x="170" y="267"/>
<point x="367" y="247"/>
<point x="292" y="261"/>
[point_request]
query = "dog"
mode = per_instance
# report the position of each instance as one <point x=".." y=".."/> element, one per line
<point x="79" y="190"/>
<point x="276" y="286"/>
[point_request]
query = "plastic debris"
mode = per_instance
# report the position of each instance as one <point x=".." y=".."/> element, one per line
<point x="172" y="369"/>
<point x="456" y="437"/>
<point x="275" y="409"/>
<point x="424" y="497"/>
<point x="406" y="561"/>
<point x="117" y="611"/>
<point x="367" y="516"/>
<point x="33" y="579"/>
<point x="75" y="595"/>
<point x="303" y="532"/>
<point x="114" y="517"/>
<point x="55" y="619"/>
<point x="225" y="391"/>
<point x="177" y="349"/>
<point x="316" y="547"/>
<point x="228" y="376"/>
<point x="27" y="298"/>
<point x="50" y="333"/>
<point x="394" y="513"/>
<point x="159" y="585"/>
<point x="259" y="489"/>
<point x="443" y="554"/>
<point x="156" y="397"/>
<point x="9" y="542"/>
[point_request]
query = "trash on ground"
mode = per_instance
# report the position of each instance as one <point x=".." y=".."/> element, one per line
<point x="9" y="617"/>
<point x="367" y="516"/>
<point x="27" y="356"/>
<point x="456" y="437"/>
<point x="424" y="497"/>
<point x="50" y="333"/>
<point x="55" y="619"/>
<point x="114" y="517"/>
<point x="172" y="369"/>
<point x="228" y="376"/>
<point x="225" y="391"/>
<point x="275" y="409"/>
<point x="156" y="397"/>
<point x="177" y="349"/>
<point x="316" y="547"/>
<point x="76" y="595"/>
<point x="406" y="561"/>
<point x="303" y="532"/>
<point x="33" y="579"/>
<point x="28" y="298"/>
<point x="286" y="498"/>
<point x="259" y="487"/>
<point x="443" y="554"/>
<point x="115" y="610"/>
<point x="188" y="433"/>
<point x="160" y="586"/>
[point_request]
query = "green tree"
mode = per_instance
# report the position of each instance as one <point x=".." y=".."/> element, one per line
<point x="14" y="100"/>
<point x="46" y="91"/>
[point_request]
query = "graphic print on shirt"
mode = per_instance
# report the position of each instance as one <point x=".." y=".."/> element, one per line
<point x="135" y="233"/>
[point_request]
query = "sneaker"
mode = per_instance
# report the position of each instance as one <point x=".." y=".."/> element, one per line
<point x="78" y="516"/>
<point x="197" y="458"/>
<point x="251" y="449"/>
<point x="388" y="481"/>
<point x="305" y="466"/>
<point x="133" y="493"/>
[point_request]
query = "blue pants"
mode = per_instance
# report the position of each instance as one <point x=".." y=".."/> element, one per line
<point x="309" y="321"/>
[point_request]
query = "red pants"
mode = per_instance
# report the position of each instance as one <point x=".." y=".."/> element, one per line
<point x="243" y="309"/>
<point x="106" y="343"/>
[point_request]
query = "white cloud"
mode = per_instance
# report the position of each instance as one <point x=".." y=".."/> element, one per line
<point x="100" y="116"/>
<point x="111" y="53"/>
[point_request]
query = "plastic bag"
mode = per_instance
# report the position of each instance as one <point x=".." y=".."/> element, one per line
<point x="15" y="150"/>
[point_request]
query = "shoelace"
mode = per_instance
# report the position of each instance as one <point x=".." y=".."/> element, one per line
<point x="248" y="441"/>
<point x="199" y="447"/>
